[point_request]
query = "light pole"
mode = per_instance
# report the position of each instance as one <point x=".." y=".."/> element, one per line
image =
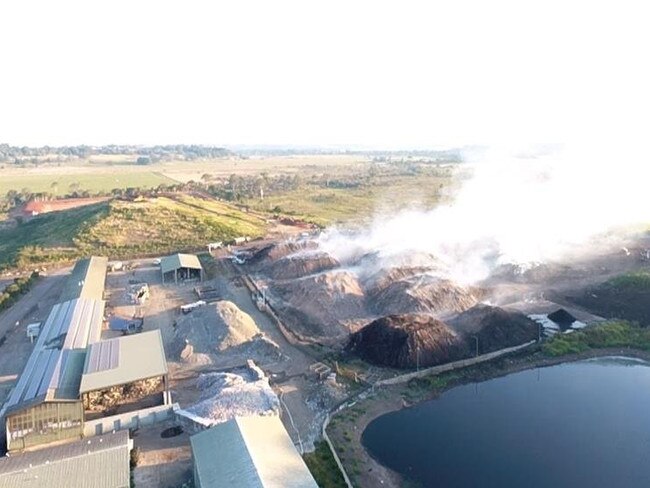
<point x="539" y="332"/>
<point x="476" y="339"/>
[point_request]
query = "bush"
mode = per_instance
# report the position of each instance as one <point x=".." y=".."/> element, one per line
<point x="20" y="286"/>
<point x="610" y="334"/>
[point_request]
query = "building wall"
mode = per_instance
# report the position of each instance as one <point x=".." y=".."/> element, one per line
<point x="44" y="423"/>
<point x="130" y="420"/>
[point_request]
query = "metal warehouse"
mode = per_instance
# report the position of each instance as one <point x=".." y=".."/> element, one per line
<point x="99" y="462"/>
<point x="248" y="452"/>
<point x="183" y="267"/>
<point x="70" y="363"/>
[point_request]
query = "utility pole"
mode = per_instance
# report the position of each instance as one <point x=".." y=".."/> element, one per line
<point x="539" y="332"/>
<point x="476" y="339"/>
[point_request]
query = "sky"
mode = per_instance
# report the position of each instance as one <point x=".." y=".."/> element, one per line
<point x="399" y="74"/>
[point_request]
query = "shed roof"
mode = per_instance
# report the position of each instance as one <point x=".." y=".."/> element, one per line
<point x="97" y="462"/>
<point x="249" y="452"/>
<point x="123" y="360"/>
<point x="86" y="279"/>
<point x="54" y="369"/>
<point x="177" y="261"/>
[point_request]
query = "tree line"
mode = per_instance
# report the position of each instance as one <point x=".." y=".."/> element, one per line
<point x="142" y="154"/>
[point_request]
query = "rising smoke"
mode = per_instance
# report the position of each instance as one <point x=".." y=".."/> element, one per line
<point x="519" y="207"/>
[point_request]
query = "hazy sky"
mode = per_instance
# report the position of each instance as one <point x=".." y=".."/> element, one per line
<point x="388" y="74"/>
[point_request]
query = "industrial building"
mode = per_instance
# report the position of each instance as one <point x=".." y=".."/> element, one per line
<point x="248" y="452"/>
<point x="99" y="462"/>
<point x="70" y="361"/>
<point x="181" y="267"/>
<point x="127" y="361"/>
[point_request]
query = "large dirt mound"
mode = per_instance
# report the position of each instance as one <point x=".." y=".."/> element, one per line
<point x="299" y="265"/>
<point x="217" y="329"/>
<point x="321" y="306"/>
<point x="397" y="292"/>
<point x="407" y="341"/>
<point x="495" y="327"/>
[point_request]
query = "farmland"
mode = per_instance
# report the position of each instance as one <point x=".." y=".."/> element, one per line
<point x="326" y="206"/>
<point x="325" y="190"/>
<point x="59" y="183"/>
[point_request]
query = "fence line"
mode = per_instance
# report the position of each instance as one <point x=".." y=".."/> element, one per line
<point x="463" y="363"/>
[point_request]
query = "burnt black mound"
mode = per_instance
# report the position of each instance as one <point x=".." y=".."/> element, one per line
<point x="495" y="328"/>
<point x="407" y="341"/>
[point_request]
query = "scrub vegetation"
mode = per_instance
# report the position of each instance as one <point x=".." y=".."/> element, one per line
<point x="19" y="287"/>
<point x="323" y="467"/>
<point x="122" y="229"/>
<point x="610" y="334"/>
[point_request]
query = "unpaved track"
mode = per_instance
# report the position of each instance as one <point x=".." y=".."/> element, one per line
<point x="35" y="306"/>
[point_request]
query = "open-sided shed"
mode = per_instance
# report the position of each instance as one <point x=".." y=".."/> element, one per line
<point x="126" y="361"/>
<point x="181" y="267"/>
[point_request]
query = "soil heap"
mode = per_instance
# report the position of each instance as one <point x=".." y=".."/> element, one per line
<point x="221" y="327"/>
<point x="495" y="328"/>
<point x="323" y="307"/>
<point x="410" y="290"/>
<point x="407" y="341"/>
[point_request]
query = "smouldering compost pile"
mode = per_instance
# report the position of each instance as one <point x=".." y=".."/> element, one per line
<point x="407" y="341"/>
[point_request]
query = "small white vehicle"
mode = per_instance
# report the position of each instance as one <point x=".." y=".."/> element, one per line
<point x="157" y="261"/>
<point x="191" y="306"/>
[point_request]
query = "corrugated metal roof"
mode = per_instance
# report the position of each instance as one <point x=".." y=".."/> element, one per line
<point x="249" y="452"/>
<point x="96" y="462"/>
<point x="176" y="261"/>
<point x="54" y="369"/>
<point x="123" y="360"/>
<point x="86" y="280"/>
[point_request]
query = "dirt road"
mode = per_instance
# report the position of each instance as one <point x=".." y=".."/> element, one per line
<point x="15" y="347"/>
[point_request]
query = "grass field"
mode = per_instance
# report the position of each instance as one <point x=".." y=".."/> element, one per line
<point x="611" y="334"/>
<point x="325" y="206"/>
<point x="60" y="184"/>
<point x="121" y="229"/>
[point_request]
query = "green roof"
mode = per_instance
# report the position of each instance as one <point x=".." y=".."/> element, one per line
<point x="86" y="280"/>
<point x="177" y="261"/>
<point x="123" y="360"/>
<point x="249" y="452"/>
<point x="97" y="462"/>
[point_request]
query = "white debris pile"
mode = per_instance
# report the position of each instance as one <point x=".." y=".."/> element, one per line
<point x="239" y="392"/>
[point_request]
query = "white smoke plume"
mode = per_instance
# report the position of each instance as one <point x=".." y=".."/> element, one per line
<point x="519" y="207"/>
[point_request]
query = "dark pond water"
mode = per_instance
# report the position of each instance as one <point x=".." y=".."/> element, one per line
<point x="584" y="424"/>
